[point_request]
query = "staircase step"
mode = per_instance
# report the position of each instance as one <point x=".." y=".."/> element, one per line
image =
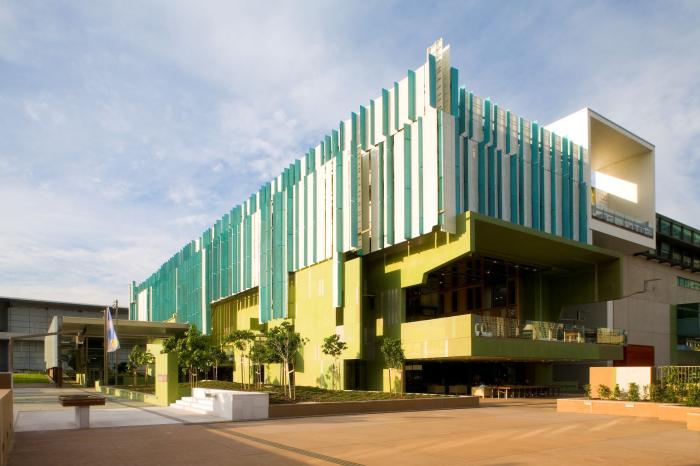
<point x="195" y="405"/>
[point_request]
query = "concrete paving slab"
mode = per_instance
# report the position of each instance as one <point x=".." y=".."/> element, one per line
<point x="511" y="433"/>
<point x="39" y="409"/>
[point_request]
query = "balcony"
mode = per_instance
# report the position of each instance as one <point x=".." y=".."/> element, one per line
<point x="500" y="327"/>
<point x="476" y="337"/>
<point x="599" y="212"/>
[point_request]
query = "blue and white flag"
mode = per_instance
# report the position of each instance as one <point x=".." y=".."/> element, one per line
<point x="112" y="339"/>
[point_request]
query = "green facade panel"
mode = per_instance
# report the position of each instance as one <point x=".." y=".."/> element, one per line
<point x="412" y="95"/>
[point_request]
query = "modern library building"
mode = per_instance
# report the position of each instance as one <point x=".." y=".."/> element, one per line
<point x="497" y="249"/>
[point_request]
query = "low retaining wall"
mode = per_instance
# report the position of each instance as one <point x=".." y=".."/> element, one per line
<point x="676" y="413"/>
<point x="6" y="427"/>
<point x="693" y="421"/>
<point x="376" y="406"/>
<point x="664" y="412"/>
<point x="128" y="394"/>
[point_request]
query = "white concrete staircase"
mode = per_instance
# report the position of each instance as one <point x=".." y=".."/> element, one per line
<point x="195" y="405"/>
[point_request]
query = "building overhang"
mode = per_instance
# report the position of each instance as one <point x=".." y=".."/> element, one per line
<point x="516" y="243"/>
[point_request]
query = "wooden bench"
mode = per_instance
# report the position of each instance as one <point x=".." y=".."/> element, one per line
<point x="82" y="405"/>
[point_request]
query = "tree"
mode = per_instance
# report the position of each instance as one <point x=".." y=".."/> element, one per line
<point x="285" y="343"/>
<point x="192" y="350"/>
<point x="394" y="357"/>
<point x="138" y="358"/>
<point x="259" y="354"/>
<point x="241" y="339"/>
<point x="334" y="347"/>
<point x="217" y="356"/>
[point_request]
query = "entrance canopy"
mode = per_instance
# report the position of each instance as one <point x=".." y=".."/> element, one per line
<point x="84" y="336"/>
<point x="128" y="330"/>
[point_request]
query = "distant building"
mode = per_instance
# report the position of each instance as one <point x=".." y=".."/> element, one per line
<point x="497" y="249"/>
<point x="29" y="317"/>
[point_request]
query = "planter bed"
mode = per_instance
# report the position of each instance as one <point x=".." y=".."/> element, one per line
<point x="662" y="411"/>
<point x="374" y="406"/>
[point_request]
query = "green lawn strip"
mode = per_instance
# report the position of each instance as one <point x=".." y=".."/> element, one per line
<point x="30" y="377"/>
<point x="277" y="396"/>
<point x="310" y="394"/>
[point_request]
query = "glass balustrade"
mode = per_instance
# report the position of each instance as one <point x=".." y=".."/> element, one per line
<point x="502" y="327"/>
<point x="601" y="211"/>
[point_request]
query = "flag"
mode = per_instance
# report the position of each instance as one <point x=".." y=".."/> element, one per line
<point x="112" y="339"/>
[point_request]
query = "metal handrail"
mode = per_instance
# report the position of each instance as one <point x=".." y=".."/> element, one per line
<point x="621" y="220"/>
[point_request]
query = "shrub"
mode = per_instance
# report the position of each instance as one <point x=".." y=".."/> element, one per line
<point x="587" y="391"/>
<point x="604" y="392"/>
<point x="656" y="392"/>
<point x="633" y="393"/>
<point x="693" y="398"/>
<point x="616" y="392"/>
<point x="670" y="394"/>
<point x="645" y="392"/>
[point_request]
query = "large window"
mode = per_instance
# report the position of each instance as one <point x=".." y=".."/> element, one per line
<point x="474" y="285"/>
<point x="688" y="283"/>
<point x="688" y="324"/>
<point x="676" y="230"/>
<point x="665" y="250"/>
<point x="687" y="235"/>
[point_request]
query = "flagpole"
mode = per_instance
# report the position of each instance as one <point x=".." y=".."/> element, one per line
<point x="116" y="352"/>
<point x="104" y="349"/>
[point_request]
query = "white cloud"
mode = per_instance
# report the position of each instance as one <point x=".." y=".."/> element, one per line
<point x="125" y="132"/>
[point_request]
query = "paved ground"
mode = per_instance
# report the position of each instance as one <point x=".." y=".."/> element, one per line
<point x="503" y="432"/>
<point x="37" y="408"/>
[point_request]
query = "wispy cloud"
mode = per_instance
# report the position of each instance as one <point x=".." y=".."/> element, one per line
<point x="124" y="132"/>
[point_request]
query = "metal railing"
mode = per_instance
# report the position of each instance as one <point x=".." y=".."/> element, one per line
<point x="678" y="374"/>
<point x="503" y="327"/>
<point x="621" y="220"/>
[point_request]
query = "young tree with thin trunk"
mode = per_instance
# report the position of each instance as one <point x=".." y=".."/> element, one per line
<point x="285" y="343"/>
<point x="137" y="359"/>
<point x="241" y="340"/>
<point x="217" y="357"/>
<point x="258" y="355"/>
<point x="394" y="357"/>
<point x="334" y="347"/>
<point x="192" y="350"/>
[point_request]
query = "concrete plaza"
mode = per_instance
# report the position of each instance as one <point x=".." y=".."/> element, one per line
<point x="37" y="408"/>
<point x="504" y="432"/>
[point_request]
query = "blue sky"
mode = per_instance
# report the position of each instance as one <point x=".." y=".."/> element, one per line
<point x="128" y="128"/>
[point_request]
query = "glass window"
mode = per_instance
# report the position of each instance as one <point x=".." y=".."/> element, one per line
<point x="687" y="235"/>
<point x="696" y="237"/>
<point x="676" y="255"/>
<point x="676" y="230"/>
<point x="664" y="226"/>
<point x="688" y="283"/>
<point x="687" y="261"/>
<point x="665" y="249"/>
